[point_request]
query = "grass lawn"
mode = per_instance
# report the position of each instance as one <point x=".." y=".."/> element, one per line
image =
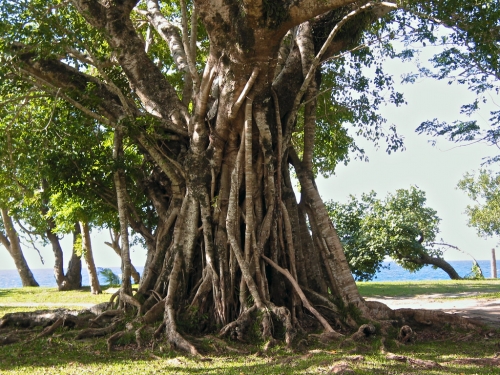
<point x="487" y="288"/>
<point x="50" y="295"/>
<point x="61" y="354"/>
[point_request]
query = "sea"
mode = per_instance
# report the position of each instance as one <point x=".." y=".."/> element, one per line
<point x="390" y="272"/>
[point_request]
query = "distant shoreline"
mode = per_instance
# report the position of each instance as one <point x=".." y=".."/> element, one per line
<point x="391" y="272"/>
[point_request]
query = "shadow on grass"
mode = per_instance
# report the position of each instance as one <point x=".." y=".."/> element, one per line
<point x="60" y="356"/>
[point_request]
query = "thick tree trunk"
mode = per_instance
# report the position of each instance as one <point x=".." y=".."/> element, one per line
<point x="95" y="288"/>
<point x="58" y="256"/>
<point x="72" y="279"/>
<point x="13" y="246"/>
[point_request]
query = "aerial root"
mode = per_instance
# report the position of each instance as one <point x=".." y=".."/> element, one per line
<point x="284" y="316"/>
<point x="139" y="333"/>
<point x="237" y="328"/>
<point x="125" y="298"/>
<point x="113" y="339"/>
<point x="176" y="341"/>
<point x="45" y="318"/>
<point x="112" y="298"/>
<point x="300" y="293"/>
<point x="154" y="313"/>
<point x="159" y="330"/>
<point x="220" y="346"/>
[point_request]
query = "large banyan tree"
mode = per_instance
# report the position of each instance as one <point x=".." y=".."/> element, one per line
<point x="224" y="105"/>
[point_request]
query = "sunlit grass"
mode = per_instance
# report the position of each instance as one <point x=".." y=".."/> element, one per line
<point x="50" y="295"/>
<point x="481" y="288"/>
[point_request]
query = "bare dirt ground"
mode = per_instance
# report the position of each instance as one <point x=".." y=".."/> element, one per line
<point x="482" y="309"/>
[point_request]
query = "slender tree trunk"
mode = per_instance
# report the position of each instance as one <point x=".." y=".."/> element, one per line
<point x="121" y="196"/>
<point x="13" y="246"/>
<point x="115" y="245"/>
<point x="95" y="288"/>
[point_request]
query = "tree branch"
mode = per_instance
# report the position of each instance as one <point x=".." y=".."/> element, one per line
<point x="317" y="60"/>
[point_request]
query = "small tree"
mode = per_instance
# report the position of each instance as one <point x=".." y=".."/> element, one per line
<point x="401" y="226"/>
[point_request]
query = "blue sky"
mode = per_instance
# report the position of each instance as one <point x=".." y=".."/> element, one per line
<point x="434" y="169"/>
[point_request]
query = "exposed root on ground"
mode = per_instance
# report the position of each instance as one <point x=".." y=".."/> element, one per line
<point x="427" y="364"/>
<point x="406" y="334"/>
<point x="364" y="331"/>
<point x="495" y="361"/>
<point x="437" y="318"/>
<point x="111" y="323"/>
<point x="97" y="332"/>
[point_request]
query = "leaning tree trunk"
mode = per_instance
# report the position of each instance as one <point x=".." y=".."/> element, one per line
<point x="13" y="246"/>
<point x="436" y="262"/>
<point x="95" y="288"/>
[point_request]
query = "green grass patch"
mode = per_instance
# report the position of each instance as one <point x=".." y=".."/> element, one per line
<point x="476" y="288"/>
<point x="50" y="295"/>
<point x="64" y="355"/>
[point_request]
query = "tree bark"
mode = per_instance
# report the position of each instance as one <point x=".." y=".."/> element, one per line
<point x="115" y="245"/>
<point x="95" y="288"/>
<point x="437" y="262"/>
<point x="13" y="246"/>
<point x="121" y="196"/>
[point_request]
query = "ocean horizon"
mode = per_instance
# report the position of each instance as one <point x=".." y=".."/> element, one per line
<point x="390" y="272"/>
